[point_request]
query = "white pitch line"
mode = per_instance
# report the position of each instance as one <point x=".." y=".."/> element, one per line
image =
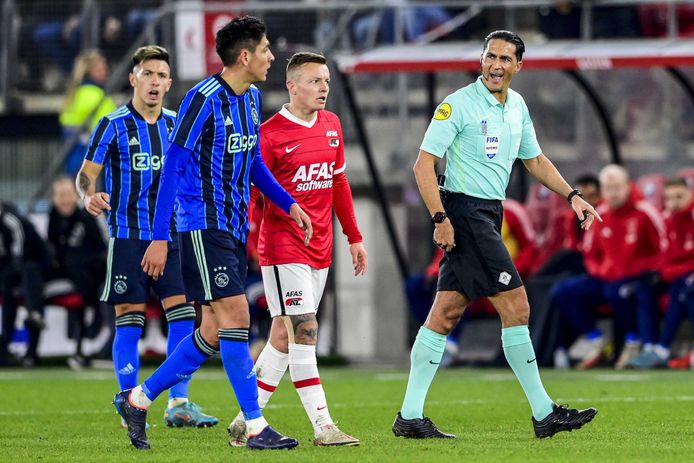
<point x="104" y="411"/>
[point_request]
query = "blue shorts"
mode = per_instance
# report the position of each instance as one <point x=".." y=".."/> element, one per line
<point x="213" y="265"/>
<point x="127" y="283"/>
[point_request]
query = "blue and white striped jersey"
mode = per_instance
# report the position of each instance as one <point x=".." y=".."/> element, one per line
<point x="132" y="152"/>
<point x="221" y="129"/>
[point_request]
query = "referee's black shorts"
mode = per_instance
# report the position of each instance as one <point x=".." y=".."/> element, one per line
<point x="480" y="264"/>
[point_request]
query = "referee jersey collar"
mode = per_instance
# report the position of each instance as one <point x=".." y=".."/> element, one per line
<point x="484" y="92"/>
<point x="134" y="112"/>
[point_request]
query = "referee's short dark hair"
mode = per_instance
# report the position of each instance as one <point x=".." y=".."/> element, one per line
<point x="304" y="57"/>
<point x="241" y="33"/>
<point x="149" y="52"/>
<point x="510" y="37"/>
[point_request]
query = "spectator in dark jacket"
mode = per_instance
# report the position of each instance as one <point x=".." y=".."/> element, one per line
<point x="23" y="261"/>
<point x="78" y="255"/>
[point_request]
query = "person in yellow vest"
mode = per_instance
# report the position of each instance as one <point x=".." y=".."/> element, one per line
<point x="85" y="99"/>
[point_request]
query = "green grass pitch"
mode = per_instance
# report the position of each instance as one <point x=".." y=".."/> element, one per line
<point x="58" y="415"/>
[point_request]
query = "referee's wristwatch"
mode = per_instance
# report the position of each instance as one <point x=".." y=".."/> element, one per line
<point x="573" y="193"/>
<point x="438" y="217"/>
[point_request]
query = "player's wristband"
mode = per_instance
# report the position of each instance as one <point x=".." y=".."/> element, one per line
<point x="572" y="194"/>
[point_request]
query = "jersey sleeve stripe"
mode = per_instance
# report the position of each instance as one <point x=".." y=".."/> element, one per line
<point x="100" y="141"/>
<point x="656" y="219"/>
<point x="340" y="170"/>
<point x="15" y="226"/>
<point x="206" y="86"/>
<point x="210" y="90"/>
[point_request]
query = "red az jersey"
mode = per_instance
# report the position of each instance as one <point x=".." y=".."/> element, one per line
<point x="308" y="160"/>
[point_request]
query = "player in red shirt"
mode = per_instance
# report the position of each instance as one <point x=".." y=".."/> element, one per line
<point x="677" y="272"/>
<point x="302" y="146"/>
<point x="618" y="251"/>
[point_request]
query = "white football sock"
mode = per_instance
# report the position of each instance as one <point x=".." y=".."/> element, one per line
<point x="269" y="369"/>
<point x="176" y="401"/>
<point x="138" y="398"/>
<point x="255" y="426"/>
<point x="303" y="369"/>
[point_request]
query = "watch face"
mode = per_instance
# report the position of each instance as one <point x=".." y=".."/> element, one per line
<point x="438" y="217"/>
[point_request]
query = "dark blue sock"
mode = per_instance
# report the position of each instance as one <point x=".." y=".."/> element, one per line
<point x="185" y="360"/>
<point x="181" y="319"/>
<point x="233" y="346"/>
<point x="126" y="358"/>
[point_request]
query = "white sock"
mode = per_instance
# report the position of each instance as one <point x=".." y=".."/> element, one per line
<point x="661" y="351"/>
<point x="255" y="426"/>
<point x="269" y="369"/>
<point x="176" y="401"/>
<point x="138" y="398"/>
<point x="303" y="368"/>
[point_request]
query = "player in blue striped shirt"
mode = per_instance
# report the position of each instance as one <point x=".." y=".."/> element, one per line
<point x="213" y="158"/>
<point x="130" y="143"/>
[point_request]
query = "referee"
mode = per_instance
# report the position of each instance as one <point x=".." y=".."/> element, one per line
<point x="481" y="129"/>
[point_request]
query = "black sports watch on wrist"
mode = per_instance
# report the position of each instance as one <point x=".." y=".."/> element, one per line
<point x="438" y="217"/>
<point x="572" y="194"/>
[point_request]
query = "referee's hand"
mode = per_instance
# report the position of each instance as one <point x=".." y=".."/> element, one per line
<point x="584" y="211"/>
<point x="303" y="221"/>
<point x="444" y="237"/>
<point x="154" y="260"/>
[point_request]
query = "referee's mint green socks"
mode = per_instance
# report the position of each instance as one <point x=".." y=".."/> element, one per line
<point x="425" y="358"/>
<point x="520" y="354"/>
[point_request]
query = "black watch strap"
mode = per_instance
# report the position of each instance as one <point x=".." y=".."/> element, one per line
<point x="574" y="193"/>
<point x="438" y="217"/>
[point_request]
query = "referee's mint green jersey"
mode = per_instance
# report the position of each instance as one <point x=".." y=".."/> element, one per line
<point x="481" y="138"/>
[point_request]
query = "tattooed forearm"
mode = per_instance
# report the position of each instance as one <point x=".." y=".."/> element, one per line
<point x="84" y="182"/>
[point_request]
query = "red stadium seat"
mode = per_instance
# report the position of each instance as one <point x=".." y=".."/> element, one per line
<point x="687" y="173"/>
<point x="70" y="301"/>
<point x="652" y="187"/>
<point x="544" y="209"/>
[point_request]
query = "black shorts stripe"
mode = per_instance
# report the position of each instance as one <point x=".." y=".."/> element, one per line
<point x="279" y="289"/>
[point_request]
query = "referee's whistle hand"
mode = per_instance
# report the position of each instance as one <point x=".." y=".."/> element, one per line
<point x="154" y="259"/>
<point x="444" y="236"/>
<point x="585" y="212"/>
<point x="303" y="221"/>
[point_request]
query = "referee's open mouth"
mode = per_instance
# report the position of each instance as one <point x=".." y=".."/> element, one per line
<point x="495" y="78"/>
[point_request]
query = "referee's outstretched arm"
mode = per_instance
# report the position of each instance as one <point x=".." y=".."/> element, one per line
<point x="544" y="171"/>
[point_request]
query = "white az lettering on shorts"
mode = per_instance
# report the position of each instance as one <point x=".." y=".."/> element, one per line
<point x="293" y="289"/>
